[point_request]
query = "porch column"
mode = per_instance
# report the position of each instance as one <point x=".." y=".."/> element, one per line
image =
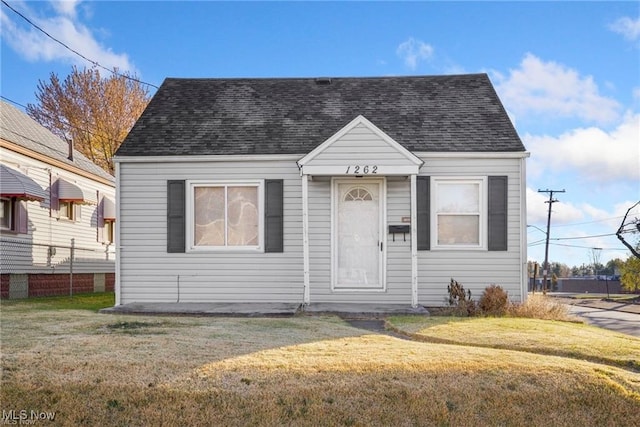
<point x="305" y="237"/>
<point x="414" y="242"/>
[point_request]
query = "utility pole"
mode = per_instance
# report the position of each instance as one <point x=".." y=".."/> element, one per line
<point x="545" y="267"/>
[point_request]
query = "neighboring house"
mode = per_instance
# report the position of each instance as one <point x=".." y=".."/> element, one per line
<point x="49" y="195"/>
<point x="301" y="190"/>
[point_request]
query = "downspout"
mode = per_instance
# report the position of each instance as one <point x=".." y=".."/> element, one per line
<point x="414" y="242"/>
<point x="524" y="277"/>
<point x="118" y="246"/>
<point x="305" y="237"/>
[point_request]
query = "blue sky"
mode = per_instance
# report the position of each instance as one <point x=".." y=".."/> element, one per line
<point x="567" y="72"/>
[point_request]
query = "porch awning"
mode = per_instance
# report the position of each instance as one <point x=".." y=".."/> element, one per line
<point x="108" y="208"/>
<point x="16" y="184"/>
<point x="72" y="193"/>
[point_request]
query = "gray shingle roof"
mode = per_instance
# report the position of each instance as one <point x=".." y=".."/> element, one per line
<point x="19" y="128"/>
<point x="294" y="115"/>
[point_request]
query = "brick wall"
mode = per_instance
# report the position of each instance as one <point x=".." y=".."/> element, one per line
<point x="110" y="282"/>
<point x="40" y="285"/>
<point x="4" y="286"/>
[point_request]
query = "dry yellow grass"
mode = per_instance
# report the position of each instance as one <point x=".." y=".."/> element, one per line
<point x="96" y="369"/>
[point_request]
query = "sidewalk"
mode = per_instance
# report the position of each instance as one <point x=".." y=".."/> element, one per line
<point x="600" y="303"/>
<point x="606" y="305"/>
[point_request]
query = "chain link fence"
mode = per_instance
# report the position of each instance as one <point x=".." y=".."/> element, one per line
<point x="41" y="269"/>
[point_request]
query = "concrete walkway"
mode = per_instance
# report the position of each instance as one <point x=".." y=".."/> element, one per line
<point x="616" y="320"/>
<point x="613" y="315"/>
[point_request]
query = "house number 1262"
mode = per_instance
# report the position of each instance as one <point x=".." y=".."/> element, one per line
<point x="362" y="170"/>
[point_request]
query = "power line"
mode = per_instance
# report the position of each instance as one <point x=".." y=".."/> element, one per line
<point x="95" y="63"/>
<point x="545" y="270"/>
<point x="586" y="247"/>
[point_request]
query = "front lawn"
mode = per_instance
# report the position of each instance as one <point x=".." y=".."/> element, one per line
<point x="95" y="369"/>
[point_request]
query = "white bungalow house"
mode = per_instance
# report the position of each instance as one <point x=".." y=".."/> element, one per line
<point x="52" y="198"/>
<point x="317" y="191"/>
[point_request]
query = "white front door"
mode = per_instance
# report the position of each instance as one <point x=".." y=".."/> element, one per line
<point x="358" y="249"/>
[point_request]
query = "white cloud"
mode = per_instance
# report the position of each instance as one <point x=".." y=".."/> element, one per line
<point x="66" y="7"/>
<point x="628" y="27"/>
<point x="537" y="210"/>
<point x="34" y="46"/>
<point x="552" y="89"/>
<point x="413" y="50"/>
<point x="595" y="154"/>
<point x="636" y="93"/>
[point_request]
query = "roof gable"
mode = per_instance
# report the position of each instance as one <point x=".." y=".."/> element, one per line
<point x="294" y="116"/>
<point x="359" y="142"/>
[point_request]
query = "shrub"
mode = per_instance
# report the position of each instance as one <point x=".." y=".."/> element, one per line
<point x="460" y="300"/>
<point x="541" y="307"/>
<point x="494" y="301"/>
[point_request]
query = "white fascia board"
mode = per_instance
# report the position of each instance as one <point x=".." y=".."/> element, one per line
<point x="340" y="170"/>
<point x="474" y="154"/>
<point x="206" y="158"/>
<point x="360" y="120"/>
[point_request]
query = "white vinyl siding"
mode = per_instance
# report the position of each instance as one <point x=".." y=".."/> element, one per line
<point x="359" y="146"/>
<point x="148" y="273"/>
<point x="473" y="268"/>
<point x="398" y="254"/>
<point x="30" y="253"/>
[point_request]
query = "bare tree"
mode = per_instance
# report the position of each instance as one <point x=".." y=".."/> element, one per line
<point x="629" y="226"/>
<point x="95" y="113"/>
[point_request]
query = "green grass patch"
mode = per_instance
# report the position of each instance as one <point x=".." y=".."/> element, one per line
<point x="92" y="302"/>
<point x="552" y="337"/>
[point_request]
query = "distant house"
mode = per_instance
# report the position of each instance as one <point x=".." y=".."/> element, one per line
<point x="52" y="199"/>
<point x="311" y="191"/>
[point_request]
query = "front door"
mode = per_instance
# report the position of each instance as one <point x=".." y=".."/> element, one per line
<point x="358" y="247"/>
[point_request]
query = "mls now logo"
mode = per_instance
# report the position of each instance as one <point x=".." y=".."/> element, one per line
<point x="24" y="417"/>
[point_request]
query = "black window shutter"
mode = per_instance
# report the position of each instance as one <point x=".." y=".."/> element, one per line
<point x="22" y="217"/>
<point x="274" y="216"/>
<point x="497" y="215"/>
<point x="54" y="203"/>
<point x="100" y="218"/>
<point x="175" y="216"/>
<point x="423" y="195"/>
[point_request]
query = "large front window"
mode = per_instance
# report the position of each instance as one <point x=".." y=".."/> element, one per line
<point x="226" y="215"/>
<point x="459" y="212"/>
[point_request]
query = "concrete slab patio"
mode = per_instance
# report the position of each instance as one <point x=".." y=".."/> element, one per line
<point x="263" y="309"/>
<point x="206" y="309"/>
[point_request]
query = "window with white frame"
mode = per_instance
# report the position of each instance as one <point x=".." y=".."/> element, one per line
<point x="226" y="215"/>
<point x="6" y="213"/>
<point x="67" y="210"/>
<point x="109" y="231"/>
<point x="459" y="213"/>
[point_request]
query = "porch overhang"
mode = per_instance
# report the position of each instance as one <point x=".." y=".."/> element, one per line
<point x="359" y="150"/>
<point x="108" y="209"/>
<point x="70" y="192"/>
<point x="14" y="183"/>
<point x="360" y="169"/>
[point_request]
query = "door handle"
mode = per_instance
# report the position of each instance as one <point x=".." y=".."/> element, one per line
<point x="381" y="246"/>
